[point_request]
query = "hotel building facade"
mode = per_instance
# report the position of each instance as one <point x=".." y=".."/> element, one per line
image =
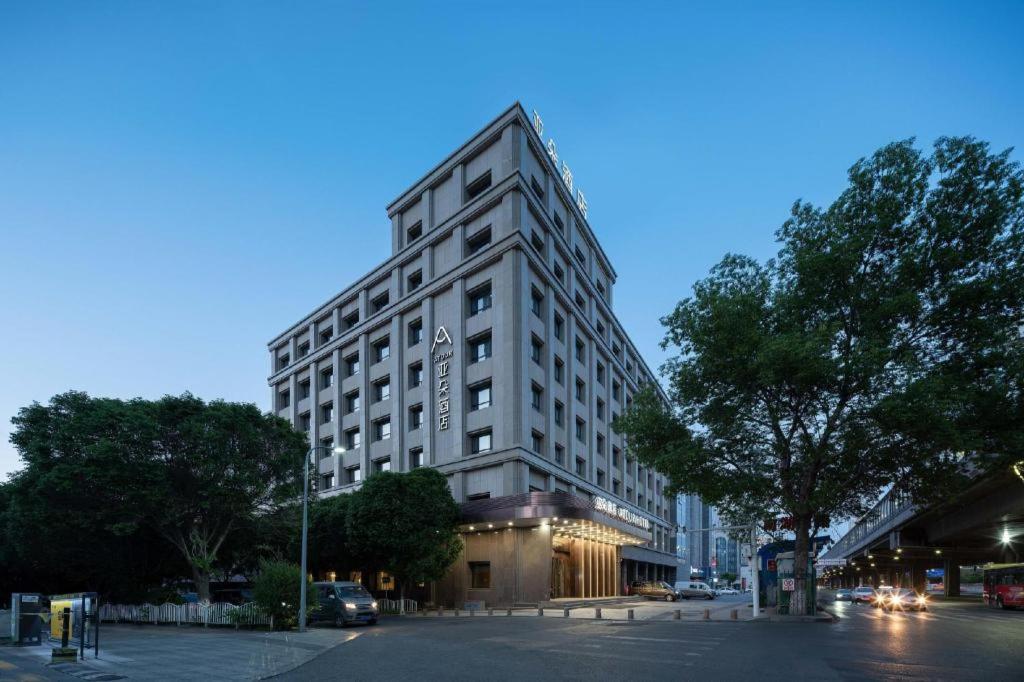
<point x="486" y="346"/>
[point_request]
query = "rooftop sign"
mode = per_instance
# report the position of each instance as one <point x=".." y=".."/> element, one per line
<point x="581" y="201"/>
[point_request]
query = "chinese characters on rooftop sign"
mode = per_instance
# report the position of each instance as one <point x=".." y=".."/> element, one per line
<point x="441" y="361"/>
<point x="581" y="201"/>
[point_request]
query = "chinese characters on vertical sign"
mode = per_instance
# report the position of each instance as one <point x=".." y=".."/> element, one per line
<point x="441" y="369"/>
<point x="581" y="201"/>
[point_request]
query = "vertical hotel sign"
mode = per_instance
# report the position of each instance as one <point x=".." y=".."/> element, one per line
<point x="576" y="193"/>
<point x="441" y="368"/>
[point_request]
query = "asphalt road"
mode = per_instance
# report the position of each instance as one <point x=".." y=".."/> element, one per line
<point x="953" y="641"/>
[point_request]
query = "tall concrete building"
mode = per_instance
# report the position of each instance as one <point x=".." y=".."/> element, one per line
<point x="486" y="346"/>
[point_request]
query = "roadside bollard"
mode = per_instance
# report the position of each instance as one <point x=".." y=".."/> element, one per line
<point x="540" y="611"/>
<point x="508" y="612"/>
<point x="707" y="614"/>
<point x="490" y="612"/>
<point x="629" y="614"/>
<point x="597" y="613"/>
<point x="565" y="613"/>
<point x="734" y="614"/>
<point x="677" y="614"/>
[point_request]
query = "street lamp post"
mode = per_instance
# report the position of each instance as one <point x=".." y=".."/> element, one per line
<point x="305" y="528"/>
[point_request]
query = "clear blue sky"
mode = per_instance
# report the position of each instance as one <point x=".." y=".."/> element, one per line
<point x="180" y="181"/>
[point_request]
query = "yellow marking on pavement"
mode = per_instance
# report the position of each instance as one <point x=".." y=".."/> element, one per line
<point x="4" y="665"/>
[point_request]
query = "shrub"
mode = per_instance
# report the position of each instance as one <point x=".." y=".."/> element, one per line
<point x="276" y="592"/>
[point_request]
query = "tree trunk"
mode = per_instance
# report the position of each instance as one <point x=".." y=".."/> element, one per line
<point x="798" y="600"/>
<point x="202" y="580"/>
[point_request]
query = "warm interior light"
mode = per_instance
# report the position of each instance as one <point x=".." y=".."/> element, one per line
<point x="510" y="523"/>
<point x="472" y="528"/>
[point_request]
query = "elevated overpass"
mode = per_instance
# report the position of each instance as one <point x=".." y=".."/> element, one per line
<point x="897" y="541"/>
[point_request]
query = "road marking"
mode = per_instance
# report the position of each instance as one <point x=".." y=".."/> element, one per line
<point x="648" y="639"/>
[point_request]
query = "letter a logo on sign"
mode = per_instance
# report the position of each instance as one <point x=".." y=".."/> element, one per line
<point x="441" y="337"/>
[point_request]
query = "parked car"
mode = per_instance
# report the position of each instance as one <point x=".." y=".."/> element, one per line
<point x="692" y="589"/>
<point x="844" y="595"/>
<point x="863" y="594"/>
<point x="342" y="603"/>
<point x="653" y="589"/>
<point x="905" y="600"/>
<point x="728" y="590"/>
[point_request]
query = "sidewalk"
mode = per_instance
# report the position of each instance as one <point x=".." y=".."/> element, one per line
<point x="140" y="652"/>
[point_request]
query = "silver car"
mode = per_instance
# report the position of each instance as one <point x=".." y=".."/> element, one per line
<point x="693" y="589"/>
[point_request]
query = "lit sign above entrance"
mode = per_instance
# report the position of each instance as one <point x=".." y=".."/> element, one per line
<point x="622" y="513"/>
<point x="581" y="201"/>
<point x="441" y="360"/>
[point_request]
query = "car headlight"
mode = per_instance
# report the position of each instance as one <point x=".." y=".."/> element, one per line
<point x="921" y="599"/>
<point x="373" y="604"/>
<point x="350" y="605"/>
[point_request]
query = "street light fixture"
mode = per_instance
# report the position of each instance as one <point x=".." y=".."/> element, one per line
<point x="305" y="527"/>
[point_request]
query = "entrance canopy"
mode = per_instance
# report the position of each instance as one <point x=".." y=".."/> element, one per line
<point x="567" y="514"/>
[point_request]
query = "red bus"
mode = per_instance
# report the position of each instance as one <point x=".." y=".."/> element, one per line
<point x="1004" y="585"/>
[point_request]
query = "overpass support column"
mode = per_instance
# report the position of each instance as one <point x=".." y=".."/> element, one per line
<point x="918" y="577"/>
<point x="951" y="577"/>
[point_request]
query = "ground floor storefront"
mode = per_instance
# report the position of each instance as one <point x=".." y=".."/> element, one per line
<point x="529" y="548"/>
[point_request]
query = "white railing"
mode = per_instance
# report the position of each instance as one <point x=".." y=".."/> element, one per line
<point x="394" y="605"/>
<point x="184" y="614"/>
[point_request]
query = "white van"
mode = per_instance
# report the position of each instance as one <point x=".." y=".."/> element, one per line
<point x="690" y="589"/>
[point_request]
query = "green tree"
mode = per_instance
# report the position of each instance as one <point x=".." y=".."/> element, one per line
<point x="405" y="523"/>
<point x="882" y="346"/>
<point x="728" y="578"/>
<point x="328" y="536"/>
<point x="191" y="472"/>
<point x="276" y="591"/>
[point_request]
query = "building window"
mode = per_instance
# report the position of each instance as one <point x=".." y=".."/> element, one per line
<point x="600" y="478"/>
<point x="600" y="444"/>
<point x="415" y="374"/>
<point x="414" y="232"/>
<point x="304" y="389"/>
<point x="581" y="466"/>
<point x="581" y="430"/>
<point x="480" y="441"/>
<point x="600" y="329"/>
<point x="537" y="303"/>
<point x="478" y="496"/>
<point x="559" y="413"/>
<point x="352" y="439"/>
<point x="382" y="429"/>
<point x="617" y="391"/>
<point x="581" y="350"/>
<point x="559" y="371"/>
<point x="304" y="349"/>
<point x="326" y="413"/>
<point x="480" y="396"/>
<point x="478" y="241"/>
<point x="305" y="421"/>
<point x="415" y="332"/>
<point x="537" y="398"/>
<point x="326" y="378"/>
<point x="600" y="409"/>
<point x="382" y="389"/>
<point x="480" y="575"/>
<point x="616" y="487"/>
<point x="382" y="349"/>
<point x="283" y="361"/>
<point x="479" y="299"/>
<point x="600" y="374"/>
<point x="640" y="500"/>
<point x="615" y="456"/>
<point x="352" y="402"/>
<point x="559" y="326"/>
<point x="537" y="242"/>
<point x="580" y="303"/>
<point x="581" y="391"/>
<point x="558" y="223"/>
<point x="353" y="475"/>
<point x="326" y="447"/>
<point x="616" y="349"/>
<point x="415" y="458"/>
<point x="559" y="454"/>
<point x="352" y="365"/>
<point x="415" y="417"/>
<point x="559" y="273"/>
<point x="480" y="348"/>
<point x="536" y="350"/>
<point x="284" y="399"/>
<point x="537" y="443"/>
<point x="351" y="320"/>
<point x="382" y="465"/>
<point x="326" y="335"/>
<point x="326" y="481"/>
<point x="478" y="186"/>
<point x="579" y="255"/>
<point x="380" y="302"/>
<point x="536" y="187"/>
<point x="414" y="281"/>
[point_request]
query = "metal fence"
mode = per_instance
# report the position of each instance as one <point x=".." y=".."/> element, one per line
<point x="184" y="614"/>
<point x="394" y="605"/>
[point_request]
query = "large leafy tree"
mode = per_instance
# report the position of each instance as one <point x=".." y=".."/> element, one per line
<point x="881" y="347"/>
<point x="405" y="523"/>
<point x="189" y="473"/>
